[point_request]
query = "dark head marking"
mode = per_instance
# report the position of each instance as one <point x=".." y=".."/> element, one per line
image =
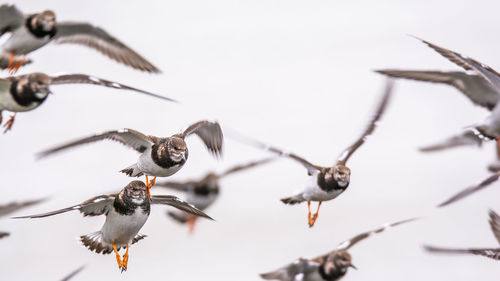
<point x="335" y="265"/>
<point x="30" y="88"/>
<point x="42" y="24"/>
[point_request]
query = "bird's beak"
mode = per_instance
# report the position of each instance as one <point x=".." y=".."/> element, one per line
<point x="352" y="265"/>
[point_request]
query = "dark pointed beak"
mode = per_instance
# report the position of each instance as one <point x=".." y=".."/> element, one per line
<point x="352" y="265"/>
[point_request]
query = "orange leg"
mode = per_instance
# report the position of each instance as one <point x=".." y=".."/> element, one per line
<point x="11" y="61"/>
<point x="315" y="215"/>
<point x="18" y="65"/>
<point x="118" y="259"/>
<point x="150" y="184"/>
<point x="125" y="260"/>
<point x="309" y="220"/>
<point x="191" y="222"/>
<point x="9" y="123"/>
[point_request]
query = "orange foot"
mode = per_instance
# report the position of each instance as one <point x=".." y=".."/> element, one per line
<point x="9" y="123"/>
<point x="312" y="220"/>
<point x="191" y="222"/>
<point x="11" y="62"/>
<point x="125" y="261"/>
<point x="150" y="184"/>
<point x="118" y="259"/>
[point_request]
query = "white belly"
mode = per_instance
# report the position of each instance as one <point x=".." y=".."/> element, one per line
<point x="122" y="229"/>
<point x="7" y="102"/>
<point x="148" y="167"/>
<point x="21" y="41"/>
<point x="312" y="192"/>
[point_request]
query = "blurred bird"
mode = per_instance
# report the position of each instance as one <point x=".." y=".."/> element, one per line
<point x="73" y="273"/>
<point x="27" y="92"/>
<point x="204" y="192"/>
<point x="326" y="183"/>
<point x="126" y="212"/>
<point x="472" y="189"/>
<point x="328" y="267"/>
<point x="492" y="253"/>
<point x="31" y="32"/>
<point x="14" y="206"/>
<point x="160" y="157"/>
<point x="480" y="83"/>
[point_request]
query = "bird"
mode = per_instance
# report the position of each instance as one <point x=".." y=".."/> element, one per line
<point x="329" y="267"/>
<point x="326" y="183"/>
<point x="492" y="253"/>
<point x="471" y="189"/>
<point x="12" y="207"/>
<point x="33" y="31"/>
<point x="160" y="156"/>
<point x="126" y="212"/>
<point x="479" y="83"/>
<point x="204" y="192"/>
<point x="27" y="92"/>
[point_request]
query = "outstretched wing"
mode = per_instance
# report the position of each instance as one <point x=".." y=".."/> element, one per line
<point x="489" y="253"/>
<point x="346" y="154"/>
<point x="292" y="272"/>
<point x="3" y="234"/>
<point x="73" y="273"/>
<point x="472" y="189"/>
<point x="351" y="242"/>
<point x="127" y="137"/>
<point x="10" y="18"/>
<point x="495" y="224"/>
<point x="179" y="204"/>
<point x="93" y="207"/>
<point x="14" y="206"/>
<point x="87" y="79"/>
<point x="249" y="165"/>
<point x="209" y="132"/>
<point x="179" y="186"/>
<point x="468" y="137"/>
<point x="98" y="39"/>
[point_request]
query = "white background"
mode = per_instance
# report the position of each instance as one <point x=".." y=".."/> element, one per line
<point x="296" y="74"/>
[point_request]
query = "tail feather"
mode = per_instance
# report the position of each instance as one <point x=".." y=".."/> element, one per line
<point x="138" y="238"/>
<point x="293" y="199"/>
<point x="132" y="171"/>
<point x="93" y="242"/>
<point x="178" y="216"/>
<point x="273" y="275"/>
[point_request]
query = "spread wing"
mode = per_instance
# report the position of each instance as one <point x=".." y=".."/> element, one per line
<point x="14" y="206"/>
<point x="179" y="186"/>
<point x="10" y="18"/>
<point x="98" y="39"/>
<point x="95" y="206"/>
<point x="489" y="253"/>
<point x="249" y="165"/>
<point x="127" y="137"/>
<point x="495" y="224"/>
<point x="179" y="204"/>
<point x="3" y="234"/>
<point x="86" y="79"/>
<point x="472" y="189"/>
<point x="292" y="272"/>
<point x="475" y="87"/>
<point x="346" y="154"/>
<point x="466" y="138"/>
<point x="72" y="274"/>
<point x="209" y="132"/>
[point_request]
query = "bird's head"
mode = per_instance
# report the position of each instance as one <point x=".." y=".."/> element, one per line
<point x="337" y="263"/>
<point x="46" y="21"/>
<point x="135" y="191"/>
<point x="39" y="84"/>
<point x="177" y="149"/>
<point x="340" y="174"/>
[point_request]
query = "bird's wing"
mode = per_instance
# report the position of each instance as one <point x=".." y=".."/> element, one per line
<point x="292" y="272"/>
<point x="179" y="204"/>
<point x="249" y="165"/>
<point x="475" y="87"/>
<point x="495" y="224"/>
<point x="346" y="154"/>
<point x="98" y="39"/>
<point x="87" y="79"/>
<point x="10" y="18"/>
<point x="14" y="206"/>
<point x="73" y="273"/>
<point x="471" y="189"/>
<point x="467" y="137"/>
<point x="127" y="137"/>
<point x="95" y="206"/>
<point x="3" y="234"/>
<point x="179" y="186"/>
<point x="351" y="242"/>
<point x="490" y="253"/>
<point x="209" y="132"/>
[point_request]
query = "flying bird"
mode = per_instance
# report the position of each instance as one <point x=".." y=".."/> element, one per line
<point x="326" y="183"/>
<point x="13" y="207"/>
<point x="27" y="92"/>
<point x="126" y="212"/>
<point x="33" y="31"/>
<point x="492" y="253"/>
<point x="328" y="267"/>
<point x="204" y="192"/>
<point x="160" y="157"/>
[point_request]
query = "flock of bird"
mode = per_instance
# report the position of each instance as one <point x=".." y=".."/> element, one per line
<point x="128" y="210"/>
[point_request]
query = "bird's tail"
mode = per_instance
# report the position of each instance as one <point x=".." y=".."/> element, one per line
<point x="293" y="199"/>
<point x="132" y="171"/>
<point x="93" y="242"/>
<point x="273" y="275"/>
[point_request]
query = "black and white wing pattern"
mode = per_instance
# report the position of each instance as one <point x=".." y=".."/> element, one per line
<point x="249" y="165"/>
<point x="472" y="189"/>
<point x="346" y="154"/>
<point x="14" y="206"/>
<point x="98" y="39"/>
<point x="95" y="206"/>
<point x="295" y="271"/>
<point x="466" y="138"/>
<point x="475" y="87"/>
<point x="87" y="79"/>
<point x="10" y="18"/>
<point x="209" y="132"/>
<point x="128" y="137"/>
<point x="179" y="204"/>
<point x="489" y="253"/>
